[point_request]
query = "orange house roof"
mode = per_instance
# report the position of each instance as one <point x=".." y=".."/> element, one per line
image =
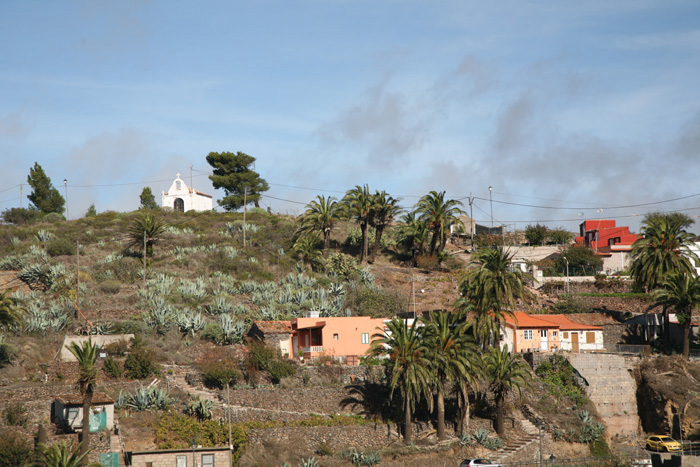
<point x="523" y="320"/>
<point x="565" y="324"/>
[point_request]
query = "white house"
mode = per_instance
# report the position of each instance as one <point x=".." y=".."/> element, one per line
<point x="67" y="411"/>
<point x="182" y="198"/>
<point x="576" y="337"/>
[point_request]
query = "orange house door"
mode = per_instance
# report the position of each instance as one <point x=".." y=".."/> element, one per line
<point x="574" y="342"/>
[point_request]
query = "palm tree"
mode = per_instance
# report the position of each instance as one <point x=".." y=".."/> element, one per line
<point x="357" y="205"/>
<point x="680" y="292"/>
<point x="452" y="356"/>
<point x="10" y="312"/>
<point x="60" y="455"/>
<point x="306" y="248"/>
<point x="413" y="233"/>
<point x="664" y="249"/>
<point x="320" y="216"/>
<point x="492" y="288"/>
<point x="384" y="209"/>
<point x="438" y="214"/>
<point x="145" y="228"/>
<point x="505" y="372"/>
<point x="408" y="368"/>
<point x="86" y="354"/>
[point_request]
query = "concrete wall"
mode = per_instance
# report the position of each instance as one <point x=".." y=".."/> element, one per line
<point x="612" y="389"/>
<point x="100" y="341"/>
<point x="222" y="458"/>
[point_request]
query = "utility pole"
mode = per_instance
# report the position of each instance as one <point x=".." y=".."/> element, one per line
<point x="77" y="274"/>
<point x="245" y="202"/>
<point x="144" y="258"/>
<point x="21" y="194"/>
<point x="413" y="293"/>
<point x="65" y="185"/>
<point x="191" y="182"/>
<point x="539" y="427"/>
<point x="228" y="414"/>
<point x="471" y="217"/>
<point x="491" y="200"/>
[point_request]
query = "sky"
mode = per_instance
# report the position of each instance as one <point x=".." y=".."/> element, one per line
<point x="567" y="110"/>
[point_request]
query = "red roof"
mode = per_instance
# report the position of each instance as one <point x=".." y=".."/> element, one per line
<point x="565" y="324"/>
<point x="523" y="320"/>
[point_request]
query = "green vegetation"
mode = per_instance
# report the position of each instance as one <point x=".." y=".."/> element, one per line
<point x="44" y="196"/>
<point x="241" y="185"/>
<point x="560" y="380"/>
<point x="148" y="201"/>
<point x="15" y="449"/>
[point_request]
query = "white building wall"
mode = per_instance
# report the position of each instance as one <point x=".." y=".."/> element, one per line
<point x="583" y="346"/>
<point x="192" y="199"/>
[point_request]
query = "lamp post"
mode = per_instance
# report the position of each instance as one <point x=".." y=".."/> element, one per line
<point x="65" y="186"/>
<point x="491" y="201"/>
<point x="194" y="458"/>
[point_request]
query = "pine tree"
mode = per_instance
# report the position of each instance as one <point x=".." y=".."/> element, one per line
<point x="148" y="201"/>
<point x="232" y="173"/>
<point x="44" y="196"/>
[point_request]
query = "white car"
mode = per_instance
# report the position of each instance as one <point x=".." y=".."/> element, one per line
<point x="479" y="462"/>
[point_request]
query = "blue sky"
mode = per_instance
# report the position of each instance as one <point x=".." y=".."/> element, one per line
<point x="587" y="107"/>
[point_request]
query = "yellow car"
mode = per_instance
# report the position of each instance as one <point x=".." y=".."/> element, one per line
<point x="662" y="443"/>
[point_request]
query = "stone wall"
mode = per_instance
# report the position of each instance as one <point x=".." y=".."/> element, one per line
<point x="338" y="438"/>
<point x="612" y="389"/>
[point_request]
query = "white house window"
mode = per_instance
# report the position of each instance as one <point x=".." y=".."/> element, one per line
<point x="365" y="338"/>
<point x="554" y="334"/>
<point x="207" y="460"/>
<point x="527" y="334"/>
<point x="180" y="461"/>
<point x="543" y="333"/>
<point x="177" y="184"/>
<point x="335" y="337"/>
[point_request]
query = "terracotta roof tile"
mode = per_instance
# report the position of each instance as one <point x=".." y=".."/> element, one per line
<point x="565" y="324"/>
<point x="523" y="320"/>
<point x="274" y="327"/>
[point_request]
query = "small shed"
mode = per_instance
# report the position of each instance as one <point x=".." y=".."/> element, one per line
<point x="277" y="334"/>
<point x="197" y="457"/>
<point x="67" y="411"/>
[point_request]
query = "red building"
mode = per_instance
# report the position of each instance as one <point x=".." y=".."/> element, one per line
<point x="609" y="241"/>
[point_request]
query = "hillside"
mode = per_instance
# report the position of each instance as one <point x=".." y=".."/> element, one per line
<point x="203" y="289"/>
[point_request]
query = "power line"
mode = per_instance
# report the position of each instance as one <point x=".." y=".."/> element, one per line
<point x="590" y="208"/>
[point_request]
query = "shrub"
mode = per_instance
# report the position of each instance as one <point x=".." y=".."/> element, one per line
<point x="60" y="246"/>
<point x="571" y="305"/>
<point x="140" y="363"/>
<point x="53" y="217"/>
<point x="112" y="368"/>
<point x="117" y="348"/>
<point x="218" y="367"/>
<point x="20" y="216"/>
<point x="428" y="262"/>
<point x="281" y="368"/>
<point x="110" y="287"/>
<point x="264" y="358"/>
<point x="130" y="327"/>
<point x="7" y="352"/>
<point x="15" y="449"/>
<point x="212" y="332"/>
<point x="377" y="303"/>
<point x="15" y="414"/>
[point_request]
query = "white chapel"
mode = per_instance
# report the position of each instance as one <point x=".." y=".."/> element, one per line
<point x="182" y="198"/>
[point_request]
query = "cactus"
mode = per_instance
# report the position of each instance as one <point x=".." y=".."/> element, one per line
<point x="199" y="408"/>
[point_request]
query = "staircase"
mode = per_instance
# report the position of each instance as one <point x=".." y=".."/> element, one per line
<point x="511" y="451"/>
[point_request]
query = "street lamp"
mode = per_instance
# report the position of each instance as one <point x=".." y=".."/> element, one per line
<point x="194" y="458"/>
<point x="491" y="200"/>
<point x="65" y="186"/>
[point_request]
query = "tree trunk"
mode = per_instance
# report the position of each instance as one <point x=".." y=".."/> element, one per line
<point x="377" y="243"/>
<point x="363" y="253"/>
<point x="686" y="338"/>
<point x="326" y="240"/>
<point x="407" y="428"/>
<point x="500" y="415"/>
<point x="433" y="241"/>
<point x="667" y="331"/>
<point x="85" y="437"/>
<point x="440" y="415"/>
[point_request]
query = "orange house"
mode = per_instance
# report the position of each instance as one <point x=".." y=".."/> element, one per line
<point x="346" y="336"/>
<point x="524" y="333"/>
<point x="609" y="241"/>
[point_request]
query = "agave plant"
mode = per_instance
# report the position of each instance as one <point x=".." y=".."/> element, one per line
<point x="200" y="409"/>
<point x="189" y="323"/>
<point x="11" y="263"/>
<point x="160" y="319"/>
<point x="269" y="313"/>
<point x="153" y="398"/>
<point x="232" y="330"/>
<point x="102" y="328"/>
<point x="336" y="289"/>
<point x="367" y="277"/>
